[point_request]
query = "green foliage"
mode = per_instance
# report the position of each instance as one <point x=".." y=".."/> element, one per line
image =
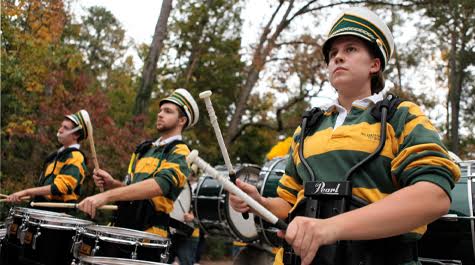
<point x="45" y="75"/>
<point x="203" y="54"/>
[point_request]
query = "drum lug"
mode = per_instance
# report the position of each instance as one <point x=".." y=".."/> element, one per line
<point x="164" y="255"/>
<point x="133" y="255"/>
<point x="75" y="248"/>
<point x="21" y="230"/>
<point x="22" y="235"/>
<point x="96" y="247"/>
<point x="35" y="237"/>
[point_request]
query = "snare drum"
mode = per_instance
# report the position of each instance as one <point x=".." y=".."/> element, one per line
<point x="49" y="239"/>
<point x="269" y="177"/>
<point x="453" y="236"/>
<point x="16" y="222"/>
<point x="120" y="242"/>
<point x="18" y="218"/>
<point x="86" y="260"/>
<point x="215" y="214"/>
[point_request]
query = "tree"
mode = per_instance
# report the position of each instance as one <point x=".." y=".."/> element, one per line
<point x="454" y="22"/>
<point x="203" y="54"/>
<point x="149" y="70"/>
<point x="102" y="41"/>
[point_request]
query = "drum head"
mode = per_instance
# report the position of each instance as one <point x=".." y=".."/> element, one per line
<point x="114" y="261"/>
<point x="26" y="211"/>
<point x="58" y="222"/>
<point x="182" y="204"/>
<point x="127" y="235"/>
<point x="245" y="229"/>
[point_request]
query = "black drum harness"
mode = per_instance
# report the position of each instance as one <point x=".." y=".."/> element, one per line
<point x="324" y="199"/>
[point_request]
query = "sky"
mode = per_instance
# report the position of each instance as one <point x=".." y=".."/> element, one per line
<point x="139" y="18"/>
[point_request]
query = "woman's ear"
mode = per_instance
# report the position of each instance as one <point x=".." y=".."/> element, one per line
<point x="375" y="65"/>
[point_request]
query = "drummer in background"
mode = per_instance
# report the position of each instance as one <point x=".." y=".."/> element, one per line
<point x="184" y="247"/>
<point x="157" y="171"/>
<point x="63" y="170"/>
<point x="407" y="186"/>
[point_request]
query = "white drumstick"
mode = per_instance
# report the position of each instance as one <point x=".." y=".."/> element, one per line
<point x="219" y="136"/>
<point x="230" y="187"/>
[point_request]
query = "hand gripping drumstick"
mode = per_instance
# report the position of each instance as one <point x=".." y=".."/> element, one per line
<point x="230" y="187"/>
<point x="68" y="205"/>
<point x="90" y="137"/>
<point x="214" y="122"/>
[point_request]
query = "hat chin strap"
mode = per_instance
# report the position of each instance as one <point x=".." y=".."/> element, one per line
<point x="69" y="132"/>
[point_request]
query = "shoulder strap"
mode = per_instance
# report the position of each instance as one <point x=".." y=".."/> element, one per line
<point x="143" y="147"/>
<point x="313" y="117"/>
<point x="391" y="101"/>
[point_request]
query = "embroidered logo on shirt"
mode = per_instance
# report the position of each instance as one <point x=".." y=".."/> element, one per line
<point x="371" y="136"/>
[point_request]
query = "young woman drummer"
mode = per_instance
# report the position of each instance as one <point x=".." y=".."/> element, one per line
<point x="406" y="186"/>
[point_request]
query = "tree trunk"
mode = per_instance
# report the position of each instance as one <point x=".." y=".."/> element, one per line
<point x="149" y="70"/>
<point x="454" y="94"/>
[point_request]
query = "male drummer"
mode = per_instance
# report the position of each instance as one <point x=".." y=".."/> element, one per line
<point x="157" y="171"/>
<point x="63" y="170"/>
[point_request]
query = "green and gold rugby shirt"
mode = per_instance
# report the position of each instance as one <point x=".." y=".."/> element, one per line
<point x="413" y="152"/>
<point x="65" y="170"/>
<point x="168" y="169"/>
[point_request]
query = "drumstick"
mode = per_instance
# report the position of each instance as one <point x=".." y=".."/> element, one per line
<point x="90" y="137"/>
<point x="26" y="198"/>
<point x="69" y="205"/>
<point x="181" y="206"/>
<point x="230" y="187"/>
<point x="217" y="131"/>
<point x="3" y="195"/>
<point x="22" y="198"/>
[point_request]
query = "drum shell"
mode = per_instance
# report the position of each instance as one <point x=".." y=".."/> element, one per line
<point x="453" y="238"/>
<point x="17" y="220"/>
<point x="116" y="242"/>
<point x="270" y="175"/>
<point x="212" y="208"/>
<point x="51" y="233"/>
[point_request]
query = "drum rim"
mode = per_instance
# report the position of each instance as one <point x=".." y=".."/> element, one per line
<point x="261" y="231"/>
<point x="227" y="207"/>
<point x="22" y="211"/>
<point x="109" y="233"/>
<point x="125" y="261"/>
<point x="58" y="222"/>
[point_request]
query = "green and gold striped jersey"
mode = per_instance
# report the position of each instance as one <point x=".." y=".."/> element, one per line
<point x="65" y="171"/>
<point x="413" y="152"/>
<point x="168" y="167"/>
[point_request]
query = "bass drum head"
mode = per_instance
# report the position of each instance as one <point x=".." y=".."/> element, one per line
<point x="245" y="229"/>
<point x="182" y="204"/>
<point x="270" y="176"/>
<point x="451" y="237"/>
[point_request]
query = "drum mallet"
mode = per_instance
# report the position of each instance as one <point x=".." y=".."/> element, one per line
<point x="230" y="187"/>
<point x="217" y="131"/>
<point x="68" y="205"/>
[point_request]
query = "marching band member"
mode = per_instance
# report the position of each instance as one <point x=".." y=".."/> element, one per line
<point x="63" y="170"/>
<point x="157" y="171"/>
<point x="406" y="186"/>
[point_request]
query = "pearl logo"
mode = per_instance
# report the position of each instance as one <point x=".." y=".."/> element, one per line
<point x="321" y="189"/>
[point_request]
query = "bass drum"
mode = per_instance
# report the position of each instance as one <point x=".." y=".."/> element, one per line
<point x="452" y="236"/>
<point x="269" y="177"/>
<point x="181" y="206"/>
<point x="215" y="214"/>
